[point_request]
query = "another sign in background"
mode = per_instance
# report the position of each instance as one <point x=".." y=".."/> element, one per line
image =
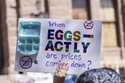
<point x="43" y="44"/>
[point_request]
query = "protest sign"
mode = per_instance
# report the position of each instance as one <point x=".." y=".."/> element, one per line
<point x="43" y="44"/>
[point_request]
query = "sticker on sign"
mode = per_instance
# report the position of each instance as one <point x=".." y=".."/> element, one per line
<point x="47" y="43"/>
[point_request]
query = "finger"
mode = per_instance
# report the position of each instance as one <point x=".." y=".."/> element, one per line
<point x="66" y="66"/>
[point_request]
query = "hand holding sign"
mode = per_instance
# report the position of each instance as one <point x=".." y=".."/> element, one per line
<point x="61" y="70"/>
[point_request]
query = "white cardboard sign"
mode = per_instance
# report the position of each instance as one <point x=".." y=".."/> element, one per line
<point x="43" y="44"/>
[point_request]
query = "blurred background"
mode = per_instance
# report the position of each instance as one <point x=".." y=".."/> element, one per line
<point x="110" y="12"/>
